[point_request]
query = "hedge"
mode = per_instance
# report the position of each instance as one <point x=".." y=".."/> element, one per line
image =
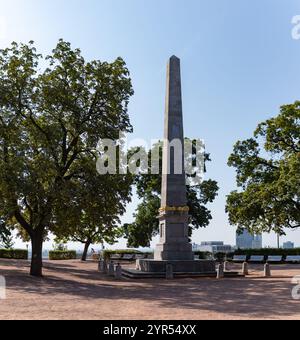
<point x="58" y="255"/>
<point x="268" y="252"/>
<point x="250" y="252"/>
<point x="203" y="255"/>
<point x="15" y="254"/>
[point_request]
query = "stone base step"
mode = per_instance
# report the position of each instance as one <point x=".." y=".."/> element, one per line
<point x="233" y="274"/>
<point x="136" y="274"/>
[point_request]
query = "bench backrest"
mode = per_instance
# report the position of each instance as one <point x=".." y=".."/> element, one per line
<point x="275" y="258"/>
<point x="257" y="258"/>
<point x="239" y="258"/>
<point x="293" y="258"/>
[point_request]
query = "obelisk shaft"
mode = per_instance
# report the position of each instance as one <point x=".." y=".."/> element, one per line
<point x="174" y="242"/>
<point x="173" y="178"/>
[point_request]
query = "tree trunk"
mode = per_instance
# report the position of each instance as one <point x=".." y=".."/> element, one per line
<point x="85" y="251"/>
<point x="36" y="260"/>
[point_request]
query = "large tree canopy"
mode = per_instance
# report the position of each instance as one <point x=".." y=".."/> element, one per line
<point x="146" y="223"/>
<point x="91" y="209"/>
<point x="268" y="174"/>
<point x="50" y="123"/>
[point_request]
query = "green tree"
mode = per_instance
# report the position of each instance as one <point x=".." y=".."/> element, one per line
<point x="94" y="205"/>
<point x="268" y="175"/>
<point x="50" y="123"/>
<point x="146" y="224"/>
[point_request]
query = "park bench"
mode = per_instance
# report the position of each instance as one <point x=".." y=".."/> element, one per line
<point x="116" y="257"/>
<point x="292" y="259"/>
<point x="257" y="259"/>
<point x="128" y="257"/>
<point x="239" y="258"/>
<point x="274" y="259"/>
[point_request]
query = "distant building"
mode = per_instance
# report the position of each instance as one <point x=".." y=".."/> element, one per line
<point x="244" y="240"/>
<point x="248" y="241"/>
<point x="288" y="245"/>
<point x="213" y="247"/>
<point x="196" y="247"/>
<point x="257" y="242"/>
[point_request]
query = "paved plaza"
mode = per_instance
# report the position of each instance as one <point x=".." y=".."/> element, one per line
<point x="75" y="290"/>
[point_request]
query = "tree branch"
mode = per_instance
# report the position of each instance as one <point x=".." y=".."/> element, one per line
<point x="21" y="220"/>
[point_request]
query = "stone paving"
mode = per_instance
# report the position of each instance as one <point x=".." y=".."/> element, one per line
<point x="75" y="290"/>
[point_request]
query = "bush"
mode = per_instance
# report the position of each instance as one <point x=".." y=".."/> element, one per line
<point x="221" y="257"/>
<point x="203" y="255"/>
<point x="15" y="254"/>
<point x="59" y="255"/>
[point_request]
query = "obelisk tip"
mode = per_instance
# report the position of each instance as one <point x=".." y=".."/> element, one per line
<point x="174" y="57"/>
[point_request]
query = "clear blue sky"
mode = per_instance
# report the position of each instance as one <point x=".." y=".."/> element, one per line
<point x="239" y="64"/>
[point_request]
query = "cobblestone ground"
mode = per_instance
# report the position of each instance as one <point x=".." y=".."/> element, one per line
<point x="75" y="290"/>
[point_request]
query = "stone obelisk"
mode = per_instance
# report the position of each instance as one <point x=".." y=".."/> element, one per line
<point x="174" y="249"/>
<point x="174" y="242"/>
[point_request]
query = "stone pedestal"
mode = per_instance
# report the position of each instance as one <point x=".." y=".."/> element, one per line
<point x="181" y="266"/>
<point x="174" y="242"/>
